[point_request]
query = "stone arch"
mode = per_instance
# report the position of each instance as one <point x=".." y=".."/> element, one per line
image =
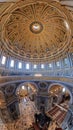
<point x="2" y="100"/>
<point x="33" y="86"/>
<point x="52" y="84"/>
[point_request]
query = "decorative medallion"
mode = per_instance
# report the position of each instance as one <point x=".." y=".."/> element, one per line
<point x="9" y="90"/>
<point x="43" y="85"/>
<point x="36" y="27"/>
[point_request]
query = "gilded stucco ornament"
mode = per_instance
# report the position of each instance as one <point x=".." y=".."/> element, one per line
<point x="36" y="31"/>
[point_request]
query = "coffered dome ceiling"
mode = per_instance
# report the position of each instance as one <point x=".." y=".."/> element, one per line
<point x="36" y="31"/>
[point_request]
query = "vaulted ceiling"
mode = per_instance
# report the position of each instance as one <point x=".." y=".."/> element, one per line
<point x="36" y="30"/>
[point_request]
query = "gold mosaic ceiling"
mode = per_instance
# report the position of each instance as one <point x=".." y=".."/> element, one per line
<point x="36" y="31"/>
